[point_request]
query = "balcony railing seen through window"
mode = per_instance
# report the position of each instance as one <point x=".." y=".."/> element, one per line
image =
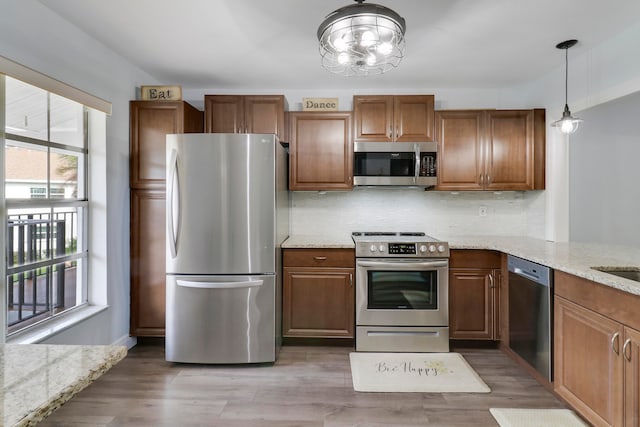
<point x="43" y="265"/>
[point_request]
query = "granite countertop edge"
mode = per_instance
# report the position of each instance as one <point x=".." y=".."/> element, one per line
<point x="114" y="354"/>
<point x="570" y="257"/>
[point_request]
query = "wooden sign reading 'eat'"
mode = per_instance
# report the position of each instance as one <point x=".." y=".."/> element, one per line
<point x="161" y="93"/>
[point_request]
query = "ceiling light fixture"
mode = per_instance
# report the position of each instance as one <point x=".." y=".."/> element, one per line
<point x="567" y="124"/>
<point x="361" y="40"/>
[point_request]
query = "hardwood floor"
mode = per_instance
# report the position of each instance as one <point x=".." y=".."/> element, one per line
<point x="307" y="386"/>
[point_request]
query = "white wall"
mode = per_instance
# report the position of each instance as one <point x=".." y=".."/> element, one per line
<point x="604" y="174"/>
<point x="597" y="74"/>
<point x="30" y="34"/>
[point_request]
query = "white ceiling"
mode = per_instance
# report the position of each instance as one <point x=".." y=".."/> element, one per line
<point x="272" y="44"/>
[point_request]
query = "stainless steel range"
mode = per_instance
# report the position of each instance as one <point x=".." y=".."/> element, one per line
<point x="402" y="292"/>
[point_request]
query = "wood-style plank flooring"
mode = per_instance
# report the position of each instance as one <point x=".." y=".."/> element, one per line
<point x="307" y="386"/>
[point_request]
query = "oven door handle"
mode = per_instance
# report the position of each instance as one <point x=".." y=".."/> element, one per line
<point x="404" y="264"/>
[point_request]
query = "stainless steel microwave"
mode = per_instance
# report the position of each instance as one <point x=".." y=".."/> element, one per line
<point x="395" y="164"/>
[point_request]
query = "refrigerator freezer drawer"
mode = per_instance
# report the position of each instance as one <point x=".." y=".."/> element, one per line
<point x="221" y="319"/>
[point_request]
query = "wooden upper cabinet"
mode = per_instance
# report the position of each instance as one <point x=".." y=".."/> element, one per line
<point x="150" y="122"/>
<point x="510" y="154"/>
<point x="491" y="149"/>
<point x="460" y="154"/>
<point x="391" y="118"/>
<point x="373" y="117"/>
<point x="320" y="151"/>
<point x="245" y="114"/>
<point x="223" y="114"/>
<point x="413" y="118"/>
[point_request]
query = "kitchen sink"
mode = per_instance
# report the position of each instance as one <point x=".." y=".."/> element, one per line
<point x="632" y="273"/>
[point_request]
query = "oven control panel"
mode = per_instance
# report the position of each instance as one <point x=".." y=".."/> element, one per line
<point x="402" y="248"/>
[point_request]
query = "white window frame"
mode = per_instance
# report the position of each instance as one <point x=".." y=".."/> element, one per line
<point x="98" y="110"/>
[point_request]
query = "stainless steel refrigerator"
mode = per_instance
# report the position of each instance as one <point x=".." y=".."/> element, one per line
<point x="227" y="215"/>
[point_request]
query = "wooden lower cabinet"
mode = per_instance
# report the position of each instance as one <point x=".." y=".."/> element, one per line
<point x="596" y="356"/>
<point x="631" y="353"/>
<point x="147" y="263"/>
<point x="474" y="292"/>
<point x="318" y="293"/>
<point x="588" y="372"/>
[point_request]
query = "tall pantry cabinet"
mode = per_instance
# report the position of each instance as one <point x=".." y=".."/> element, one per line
<point x="149" y="123"/>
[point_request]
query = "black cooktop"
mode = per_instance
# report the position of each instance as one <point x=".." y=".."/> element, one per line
<point x="387" y="233"/>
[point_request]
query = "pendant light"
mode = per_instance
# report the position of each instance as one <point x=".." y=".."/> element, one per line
<point x="567" y="124"/>
<point x="361" y="40"/>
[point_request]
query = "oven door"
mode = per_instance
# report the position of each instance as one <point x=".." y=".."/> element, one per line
<point x="402" y="292"/>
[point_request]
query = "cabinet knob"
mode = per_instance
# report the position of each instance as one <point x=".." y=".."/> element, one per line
<point x="320" y="258"/>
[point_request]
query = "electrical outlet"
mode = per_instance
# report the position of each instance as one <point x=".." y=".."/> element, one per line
<point x="482" y="211"/>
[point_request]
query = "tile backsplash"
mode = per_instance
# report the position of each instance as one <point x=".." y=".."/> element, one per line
<point x="508" y="213"/>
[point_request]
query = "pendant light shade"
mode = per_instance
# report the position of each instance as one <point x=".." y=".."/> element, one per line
<point x="567" y="124"/>
<point x="361" y="40"/>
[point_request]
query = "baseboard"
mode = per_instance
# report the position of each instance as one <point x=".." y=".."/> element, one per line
<point x="127" y="341"/>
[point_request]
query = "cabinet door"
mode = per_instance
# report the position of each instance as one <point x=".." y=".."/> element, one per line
<point x="224" y="114"/>
<point x="147" y="263"/>
<point x="150" y="122"/>
<point x="320" y="151"/>
<point x="318" y="302"/>
<point x="264" y="114"/>
<point x="373" y="118"/>
<point x="460" y="155"/>
<point x="471" y="303"/>
<point x="413" y="118"/>
<point x="588" y="365"/>
<point x="509" y="150"/>
<point x="631" y="350"/>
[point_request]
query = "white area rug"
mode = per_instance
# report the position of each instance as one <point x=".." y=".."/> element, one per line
<point x="414" y="372"/>
<point x="509" y="417"/>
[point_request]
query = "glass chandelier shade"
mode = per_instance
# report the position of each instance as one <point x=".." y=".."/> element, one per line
<point x="361" y="40"/>
<point x="567" y="124"/>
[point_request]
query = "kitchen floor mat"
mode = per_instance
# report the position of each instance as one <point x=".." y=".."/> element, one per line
<point x="511" y="417"/>
<point x="414" y="373"/>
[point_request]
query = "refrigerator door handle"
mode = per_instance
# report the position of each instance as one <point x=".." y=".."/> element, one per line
<point x="219" y="285"/>
<point x="174" y="205"/>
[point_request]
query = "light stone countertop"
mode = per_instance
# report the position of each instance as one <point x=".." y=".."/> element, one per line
<point x="570" y="257"/>
<point x="39" y="378"/>
<point x="300" y="241"/>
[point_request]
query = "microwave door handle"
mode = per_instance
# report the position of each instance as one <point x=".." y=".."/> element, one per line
<point x="416" y="150"/>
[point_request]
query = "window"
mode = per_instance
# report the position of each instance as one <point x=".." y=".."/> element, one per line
<point x="45" y="155"/>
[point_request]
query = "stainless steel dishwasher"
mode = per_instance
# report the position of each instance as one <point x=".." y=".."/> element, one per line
<point x="531" y="313"/>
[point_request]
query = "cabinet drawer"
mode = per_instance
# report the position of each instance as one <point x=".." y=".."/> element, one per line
<point x="474" y="258"/>
<point x="319" y="258"/>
